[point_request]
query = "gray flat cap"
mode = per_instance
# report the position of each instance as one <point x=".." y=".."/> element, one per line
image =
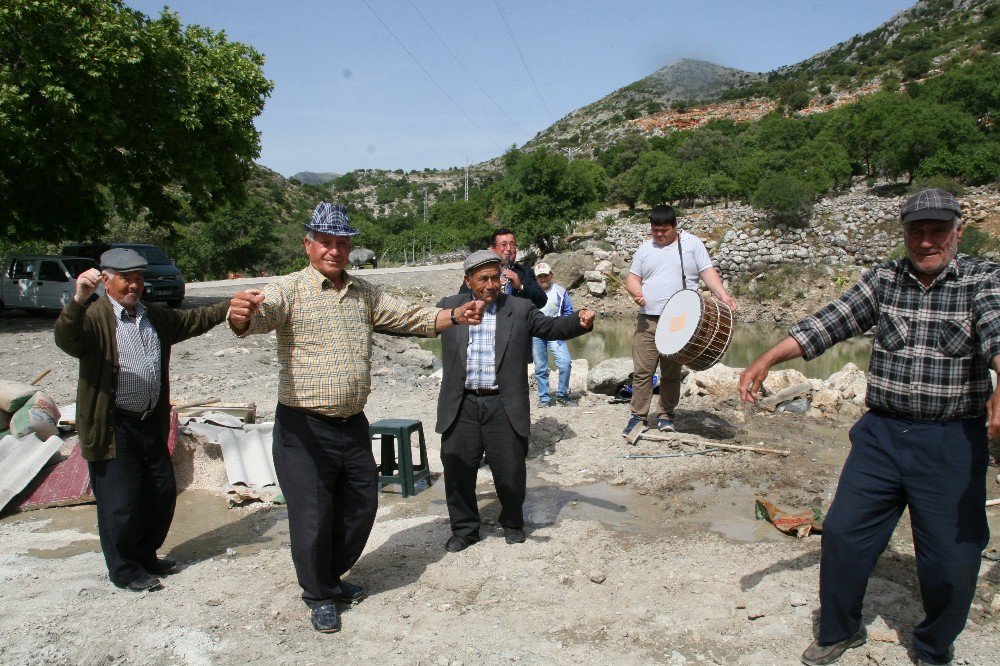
<point x="480" y="258"/>
<point x="122" y="259"/>
<point x="932" y="204"/>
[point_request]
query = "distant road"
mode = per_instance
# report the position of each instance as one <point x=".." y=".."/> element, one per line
<point x="241" y="283"/>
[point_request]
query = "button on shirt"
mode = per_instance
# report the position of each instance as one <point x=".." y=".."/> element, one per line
<point x="325" y="337"/>
<point x="933" y="345"/>
<point x="138" y="359"/>
<point x="480" y="364"/>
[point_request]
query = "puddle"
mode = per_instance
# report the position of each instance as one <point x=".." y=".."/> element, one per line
<point x="203" y="527"/>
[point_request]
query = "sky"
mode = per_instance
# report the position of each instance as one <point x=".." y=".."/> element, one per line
<point x="412" y="84"/>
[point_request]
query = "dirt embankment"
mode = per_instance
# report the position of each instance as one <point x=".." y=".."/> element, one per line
<point x="628" y="560"/>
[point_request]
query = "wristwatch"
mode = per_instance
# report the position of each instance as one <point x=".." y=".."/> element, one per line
<point x="454" y="320"/>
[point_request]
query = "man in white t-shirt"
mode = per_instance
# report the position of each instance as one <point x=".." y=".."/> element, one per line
<point x="558" y="304"/>
<point x="655" y="276"/>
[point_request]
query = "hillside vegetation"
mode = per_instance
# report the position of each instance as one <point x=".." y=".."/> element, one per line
<point x="912" y="103"/>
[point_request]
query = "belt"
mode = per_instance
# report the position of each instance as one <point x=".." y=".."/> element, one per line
<point x="483" y="391"/>
<point x="337" y="420"/>
<point x="140" y="416"/>
<point x="649" y="316"/>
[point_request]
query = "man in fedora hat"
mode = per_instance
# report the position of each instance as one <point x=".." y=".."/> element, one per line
<point x="123" y="409"/>
<point x="324" y="318"/>
<point x="922" y="445"/>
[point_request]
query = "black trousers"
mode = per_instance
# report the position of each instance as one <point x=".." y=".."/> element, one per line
<point x="328" y="475"/>
<point x="938" y="471"/>
<point x="482" y="425"/>
<point x="136" y="494"/>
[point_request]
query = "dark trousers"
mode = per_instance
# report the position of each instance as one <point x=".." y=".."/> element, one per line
<point x="136" y="494"/>
<point x="482" y="425"/>
<point x="936" y="469"/>
<point x="328" y="476"/>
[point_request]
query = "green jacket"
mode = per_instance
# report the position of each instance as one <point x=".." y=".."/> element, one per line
<point x="87" y="332"/>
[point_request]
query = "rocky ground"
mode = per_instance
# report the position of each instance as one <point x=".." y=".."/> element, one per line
<point x="628" y="560"/>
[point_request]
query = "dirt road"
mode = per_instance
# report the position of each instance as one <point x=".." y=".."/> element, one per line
<point x="627" y="560"/>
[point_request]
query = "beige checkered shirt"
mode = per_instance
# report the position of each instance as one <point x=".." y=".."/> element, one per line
<point x="325" y="337"/>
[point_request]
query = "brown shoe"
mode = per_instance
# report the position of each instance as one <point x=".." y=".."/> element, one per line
<point x="819" y="655"/>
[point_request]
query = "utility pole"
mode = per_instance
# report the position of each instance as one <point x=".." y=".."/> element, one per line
<point x="425" y="205"/>
<point x="466" y="177"/>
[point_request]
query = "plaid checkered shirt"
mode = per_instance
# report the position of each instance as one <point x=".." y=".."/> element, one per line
<point x="933" y="346"/>
<point x="480" y="363"/>
<point x="325" y="337"/>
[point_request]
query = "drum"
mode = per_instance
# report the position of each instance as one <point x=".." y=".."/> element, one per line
<point x="694" y="330"/>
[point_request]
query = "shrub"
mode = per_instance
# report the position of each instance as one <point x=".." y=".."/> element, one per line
<point x="787" y="198"/>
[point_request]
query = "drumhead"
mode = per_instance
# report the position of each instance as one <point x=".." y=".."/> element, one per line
<point x="678" y="321"/>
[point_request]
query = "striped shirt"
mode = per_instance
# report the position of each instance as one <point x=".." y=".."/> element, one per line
<point x="933" y="345"/>
<point x="138" y="386"/>
<point x="480" y="363"/>
<point x="325" y="337"/>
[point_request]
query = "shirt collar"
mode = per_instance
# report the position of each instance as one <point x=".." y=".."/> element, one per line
<point x="951" y="271"/>
<point x="322" y="282"/>
<point x="122" y="313"/>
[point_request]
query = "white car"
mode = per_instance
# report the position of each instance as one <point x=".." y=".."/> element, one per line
<point x="41" y="282"/>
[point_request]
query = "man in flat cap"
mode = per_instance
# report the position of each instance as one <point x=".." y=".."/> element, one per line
<point x="923" y="443"/>
<point x="123" y="409"/>
<point x="516" y="279"/>
<point x="324" y="319"/>
<point x="484" y="399"/>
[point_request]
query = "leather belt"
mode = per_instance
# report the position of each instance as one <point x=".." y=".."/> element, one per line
<point x="648" y="316"/>
<point x="483" y="391"/>
<point x="139" y="416"/>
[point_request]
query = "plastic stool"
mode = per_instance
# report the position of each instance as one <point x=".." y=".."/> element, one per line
<point x="397" y="432"/>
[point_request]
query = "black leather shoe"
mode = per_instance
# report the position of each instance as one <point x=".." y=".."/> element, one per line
<point x="326" y="619"/>
<point x="513" y="535"/>
<point x="820" y="655"/>
<point x="144" y="583"/>
<point x="160" y="566"/>
<point x="350" y="593"/>
<point x="458" y="543"/>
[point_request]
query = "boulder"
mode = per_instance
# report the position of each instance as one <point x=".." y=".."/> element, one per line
<point x="771" y="402"/>
<point x="851" y="382"/>
<point x="608" y="374"/>
<point x="781" y="379"/>
<point x="827" y="401"/>
<point x="568" y="267"/>
<point x="719" y="382"/>
<point x="597" y="288"/>
<point x="416" y="358"/>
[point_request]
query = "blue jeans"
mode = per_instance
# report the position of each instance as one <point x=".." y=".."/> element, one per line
<point x="560" y="352"/>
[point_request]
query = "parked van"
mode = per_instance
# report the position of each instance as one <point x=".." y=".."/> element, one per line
<point x="164" y="281"/>
<point x="41" y="282"/>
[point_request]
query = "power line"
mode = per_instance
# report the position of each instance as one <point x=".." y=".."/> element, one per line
<point x="523" y="61"/>
<point x="433" y="80"/>
<point x="464" y="68"/>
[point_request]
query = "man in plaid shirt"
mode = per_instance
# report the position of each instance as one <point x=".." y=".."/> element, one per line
<point x="923" y="443"/>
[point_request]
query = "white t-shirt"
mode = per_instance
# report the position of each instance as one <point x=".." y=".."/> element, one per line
<point x="659" y="268"/>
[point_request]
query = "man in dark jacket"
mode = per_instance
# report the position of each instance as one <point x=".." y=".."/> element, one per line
<point x="515" y="279"/>
<point x="484" y="399"/>
<point x="123" y="409"/>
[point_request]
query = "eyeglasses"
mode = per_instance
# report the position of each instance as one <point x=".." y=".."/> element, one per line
<point x="506" y="244"/>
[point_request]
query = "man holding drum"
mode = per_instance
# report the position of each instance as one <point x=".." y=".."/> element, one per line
<point x="923" y="443"/>
<point x="661" y="267"/>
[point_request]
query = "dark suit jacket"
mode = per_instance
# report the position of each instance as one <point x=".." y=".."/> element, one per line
<point x="517" y="321"/>
<point x="530" y="289"/>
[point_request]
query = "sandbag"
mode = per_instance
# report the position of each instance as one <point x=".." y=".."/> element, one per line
<point x="14" y="394"/>
<point x="4" y="420"/>
<point x="38" y="415"/>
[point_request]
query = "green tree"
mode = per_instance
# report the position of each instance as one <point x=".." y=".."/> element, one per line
<point x="101" y="106"/>
<point x="786" y="197"/>
<point x="230" y="239"/>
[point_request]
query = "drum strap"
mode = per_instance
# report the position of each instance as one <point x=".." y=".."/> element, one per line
<point x="680" y="254"/>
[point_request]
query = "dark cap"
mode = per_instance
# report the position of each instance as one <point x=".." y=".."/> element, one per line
<point x="331" y="219"/>
<point x="123" y="260"/>
<point x="932" y="204"/>
<point x="480" y="258"/>
<point x="663" y="214"/>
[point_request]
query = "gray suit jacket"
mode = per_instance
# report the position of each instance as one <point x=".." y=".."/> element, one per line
<point x="517" y="321"/>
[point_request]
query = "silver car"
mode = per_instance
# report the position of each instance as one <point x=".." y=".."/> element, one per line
<point x="41" y="282"/>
